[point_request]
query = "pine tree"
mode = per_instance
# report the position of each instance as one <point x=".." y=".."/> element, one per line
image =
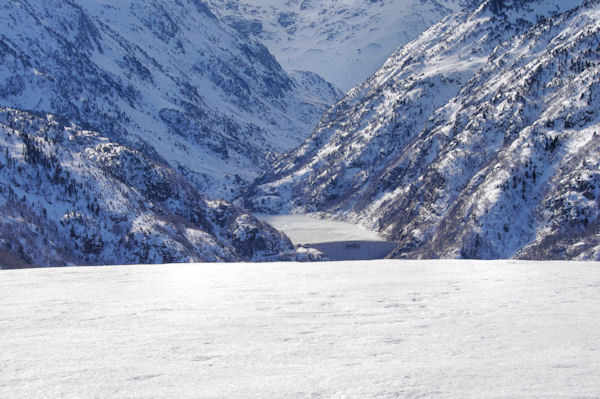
<point x="496" y="6"/>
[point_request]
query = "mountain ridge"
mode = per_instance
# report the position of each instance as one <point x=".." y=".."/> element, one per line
<point x="70" y="196"/>
<point x="411" y="153"/>
<point x="120" y="120"/>
<point x="173" y="80"/>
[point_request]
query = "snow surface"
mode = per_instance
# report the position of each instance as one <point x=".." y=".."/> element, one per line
<point x="308" y="229"/>
<point x="444" y="329"/>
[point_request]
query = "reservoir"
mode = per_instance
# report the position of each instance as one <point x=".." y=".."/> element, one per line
<point x="338" y="240"/>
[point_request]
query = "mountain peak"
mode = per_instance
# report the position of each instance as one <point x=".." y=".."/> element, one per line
<point x="344" y="41"/>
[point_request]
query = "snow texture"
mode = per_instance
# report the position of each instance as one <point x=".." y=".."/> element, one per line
<point x="410" y="329"/>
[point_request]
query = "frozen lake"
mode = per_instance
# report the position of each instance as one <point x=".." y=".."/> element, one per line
<point x="338" y="240"/>
<point x="307" y="229"/>
<point x="409" y="329"/>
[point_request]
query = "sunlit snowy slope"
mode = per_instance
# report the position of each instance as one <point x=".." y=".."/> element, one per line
<point x="413" y="329"/>
<point x="479" y="139"/>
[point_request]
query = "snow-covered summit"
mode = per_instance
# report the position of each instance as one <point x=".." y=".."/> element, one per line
<point x="344" y="41"/>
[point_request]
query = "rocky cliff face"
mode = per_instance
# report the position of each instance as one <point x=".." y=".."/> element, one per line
<point x="476" y="140"/>
<point x="72" y="196"/>
<point x="165" y="78"/>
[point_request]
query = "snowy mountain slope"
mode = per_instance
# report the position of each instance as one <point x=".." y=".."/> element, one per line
<point x="387" y="329"/>
<point x="344" y="41"/>
<point x="71" y="196"/>
<point x="162" y="77"/>
<point x="478" y="139"/>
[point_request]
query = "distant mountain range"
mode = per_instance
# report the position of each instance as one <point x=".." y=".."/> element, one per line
<point x="479" y="139"/>
<point x="345" y="41"/>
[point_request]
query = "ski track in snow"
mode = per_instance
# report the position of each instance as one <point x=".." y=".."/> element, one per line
<point x="445" y="329"/>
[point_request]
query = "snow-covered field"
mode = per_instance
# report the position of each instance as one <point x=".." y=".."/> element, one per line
<point x="449" y="329"/>
<point x="308" y="229"/>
